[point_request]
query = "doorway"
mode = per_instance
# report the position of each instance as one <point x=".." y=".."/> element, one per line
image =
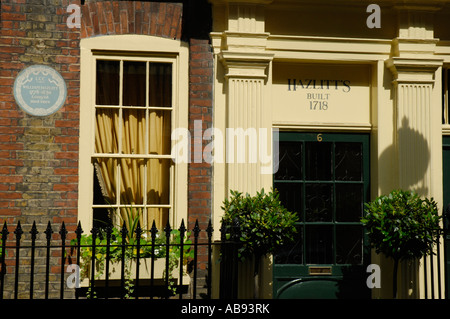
<point x="324" y="178"/>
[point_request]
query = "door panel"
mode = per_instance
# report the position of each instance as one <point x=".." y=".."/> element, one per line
<point x="324" y="178"/>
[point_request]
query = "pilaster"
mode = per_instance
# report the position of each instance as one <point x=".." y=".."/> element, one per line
<point x="242" y="112"/>
<point x="417" y="122"/>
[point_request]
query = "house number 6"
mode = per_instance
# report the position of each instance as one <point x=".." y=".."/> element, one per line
<point x="319" y="137"/>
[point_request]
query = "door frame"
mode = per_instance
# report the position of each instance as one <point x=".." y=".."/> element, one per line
<point x="285" y="274"/>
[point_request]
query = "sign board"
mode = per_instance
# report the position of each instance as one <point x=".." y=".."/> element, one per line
<point x="40" y="90"/>
<point x="321" y="93"/>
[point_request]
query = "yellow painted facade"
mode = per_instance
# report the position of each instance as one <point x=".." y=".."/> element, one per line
<point x="318" y="66"/>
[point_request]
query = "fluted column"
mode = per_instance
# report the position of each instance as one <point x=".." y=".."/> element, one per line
<point x="416" y="118"/>
<point x="243" y="113"/>
<point x="418" y="133"/>
<point x="248" y="136"/>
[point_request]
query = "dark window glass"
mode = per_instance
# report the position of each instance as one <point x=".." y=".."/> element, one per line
<point x="160" y="81"/>
<point x="107" y="84"/>
<point x="349" y="244"/>
<point x="290" y="161"/>
<point x="319" y="244"/>
<point x="348" y="161"/>
<point x="291" y="253"/>
<point x="134" y="74"/>
<point x="318" y="161"/>
<point x="318" y="202"/>
<point x="290" y="196"/>
<point x="349" y="202"/>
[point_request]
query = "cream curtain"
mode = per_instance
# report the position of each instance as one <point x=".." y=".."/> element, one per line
<point x="142" y="181"/>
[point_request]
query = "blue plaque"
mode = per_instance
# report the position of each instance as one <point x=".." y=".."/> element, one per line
<point x="40" y="90"/>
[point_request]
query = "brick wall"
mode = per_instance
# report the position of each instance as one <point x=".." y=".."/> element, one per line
<point x="200" y="107"/>
<point x="132" y="17"/>
<point x="39" y="155"/>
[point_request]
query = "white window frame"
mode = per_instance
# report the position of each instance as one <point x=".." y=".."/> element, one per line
<point x="137" y="48"/>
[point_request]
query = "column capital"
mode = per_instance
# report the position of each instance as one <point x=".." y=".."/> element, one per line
<point x="246" y="64"/>
<point x="413" y="70"/>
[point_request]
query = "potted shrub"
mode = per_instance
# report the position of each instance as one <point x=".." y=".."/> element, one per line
<point x="402" y="226"/>
<point x="264" y="225"/>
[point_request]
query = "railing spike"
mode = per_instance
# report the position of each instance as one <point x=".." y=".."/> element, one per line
<point x="18" y="231"/>
<point x="182" y="228"/>
<point x="196" y="228"/>
<point x="63" y="231"/>
<point x="48" y="231"/>
<point x="5" y="231"/>
<point x="153" y="230"/>
<point x="138" y="230"/>
<point x="34" y="231"/>
<point x="167" y="229"/>
<point x="79" y="230"/>
<point x="210" y="229"/>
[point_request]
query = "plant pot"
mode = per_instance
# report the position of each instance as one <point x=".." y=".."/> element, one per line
<point x="145" y="271"/>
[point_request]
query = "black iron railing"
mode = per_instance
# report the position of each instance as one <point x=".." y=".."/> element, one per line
<point x="70" y="264"/>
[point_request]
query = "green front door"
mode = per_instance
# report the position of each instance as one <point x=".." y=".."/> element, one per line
<point x="325" y="179"/>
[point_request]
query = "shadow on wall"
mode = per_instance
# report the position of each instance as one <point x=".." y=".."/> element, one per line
<point x="412" y="156"/>
<point x="409" y="158"/>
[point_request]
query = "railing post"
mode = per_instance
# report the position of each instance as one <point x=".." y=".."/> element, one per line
<point x="124" y="233"/>
<point x="209" y="230"/>
<point x="167" y="230"/>
<point x="78" y="232"/>
<point x="33" y="233"/>
<point x="94" y="232"/>
<point x="63" y="233"/>
<point x="48" y="234"/>
<point x="153" y="232"/>
<point x="2" y="258"/>
<point x="18" y="233"/>
<point x="138" y="232"/>
<point x="196" y="231"/>
<point x="108" y="247"/>
<point x="182" y="231"/>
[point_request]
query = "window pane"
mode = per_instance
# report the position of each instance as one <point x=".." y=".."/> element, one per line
<point x="349" y="202"/>
<point x="291" y="253"/>
<point x="348" y="161"/>
<point x="160" y="79"/>
<point x="290" y="161"/>
<point x="102" y="217"/>
<point x="107" y="131"/>
<point x="159" y="132"/>
<point x="349" y="244"/>
<point x="132" y="181"/>
<point x="159" y="215"/>
<point x="291" y="196"/>
<point x="318" y="161"/>
<point x="107" y="85"/>
<point x="158" y="181"/>
<point x="134" y="82"/>
<point x="319" y="244"/>
<point x="318" y="202"/>
<point x="105" y="180"/>
<point x="133" y="131"/>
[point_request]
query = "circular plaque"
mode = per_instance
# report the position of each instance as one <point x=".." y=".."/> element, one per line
<point x="40" y="90"/>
